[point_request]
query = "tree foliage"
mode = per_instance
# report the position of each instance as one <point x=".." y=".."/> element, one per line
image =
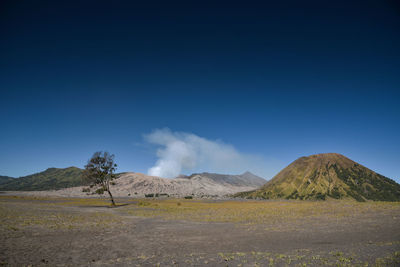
<point x="100" y="171"/>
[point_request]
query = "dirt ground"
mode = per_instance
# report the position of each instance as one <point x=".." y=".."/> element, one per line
<point x="77" y="232"/>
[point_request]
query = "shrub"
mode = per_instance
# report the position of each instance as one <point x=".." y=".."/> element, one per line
<point x="85" y="189"/>
<point x="188" y="197"/>
<point x="320" y="196"/>
<point x="143" y="203"/>
<point x="100" y="191"/>
<point x="149" y="195"/>
<point x="335" y="193"/>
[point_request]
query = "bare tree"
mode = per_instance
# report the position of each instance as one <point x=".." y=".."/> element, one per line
<point x="100" y="171"/>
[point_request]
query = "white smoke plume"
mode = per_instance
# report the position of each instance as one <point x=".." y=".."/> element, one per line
<point x="182" y="152"/>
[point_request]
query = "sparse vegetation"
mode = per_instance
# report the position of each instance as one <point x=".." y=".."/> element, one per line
<point x="22" y="218"/>
<point x="17" y="217"/>
<point x="256" y="212"/>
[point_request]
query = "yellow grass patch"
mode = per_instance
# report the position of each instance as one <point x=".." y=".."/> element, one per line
<point x="242" y="212"/>
<point x="255" y="212"/>
<point x="17" y="215"/>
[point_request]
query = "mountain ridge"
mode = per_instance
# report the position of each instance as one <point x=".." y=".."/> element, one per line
<point x="5" y="179"/>
<point x="245" y="179"/>
<point x="195" y="184"/>
<point x="51" y="178"/>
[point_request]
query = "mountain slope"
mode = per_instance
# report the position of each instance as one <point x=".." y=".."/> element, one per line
<point x="196" y="185"/>
<point x="69" y="179"/>
<point x="52" y="178"/>
<point x="245" y="179"/>
<point x="138" y="185"/>
<point x="5" y="179"/>
<point x="324" y="176"/>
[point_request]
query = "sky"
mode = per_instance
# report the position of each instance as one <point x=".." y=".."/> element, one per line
<point x="268" y="80"/>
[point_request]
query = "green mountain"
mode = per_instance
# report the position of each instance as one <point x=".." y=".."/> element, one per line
<point x="52" y="178"/>
<point x="5" y="179"/>
<point x="325" y="176"/>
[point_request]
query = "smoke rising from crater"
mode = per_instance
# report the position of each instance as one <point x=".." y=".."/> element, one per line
<point x="181" y="152"/>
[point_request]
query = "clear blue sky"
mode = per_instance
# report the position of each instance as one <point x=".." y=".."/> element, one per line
<point x="277" y="80"/>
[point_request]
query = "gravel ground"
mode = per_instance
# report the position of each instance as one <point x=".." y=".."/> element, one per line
<point x="51" y="232"/>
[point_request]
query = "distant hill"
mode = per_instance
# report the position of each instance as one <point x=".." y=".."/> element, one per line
<point x="70" y="181"/>
<point x="325" y="176"/>
<point x="245" y="179"/>
<point x="138" y="185"/>
<point x="204" y="184"/>
<point x="52" y="178"/>
<point x="5" y="179"/>
<point x="201" y="184"/>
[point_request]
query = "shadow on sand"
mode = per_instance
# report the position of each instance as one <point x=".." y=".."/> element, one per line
<point x="118" y="205"/>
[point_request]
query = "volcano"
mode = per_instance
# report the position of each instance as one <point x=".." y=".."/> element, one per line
<point x="324" y="176"/>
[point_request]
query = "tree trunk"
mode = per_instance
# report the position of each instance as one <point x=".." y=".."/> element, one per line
<point x="111" y="198"/>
